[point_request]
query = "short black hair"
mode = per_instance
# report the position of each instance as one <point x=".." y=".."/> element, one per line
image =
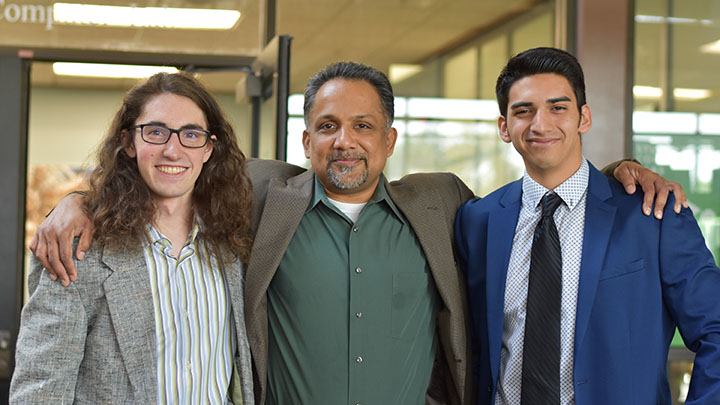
<point x="352" y="71"/>
<point x="536" y="61"/>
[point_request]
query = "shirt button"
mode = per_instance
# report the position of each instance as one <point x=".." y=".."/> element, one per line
<point x="358" y="314"/>
<point x="355" y="229"/>
<point x="358" y="270"/>
<point x="359" y="359"/>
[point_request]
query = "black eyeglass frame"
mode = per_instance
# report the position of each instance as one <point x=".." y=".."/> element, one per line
<point x="207" y="133"/>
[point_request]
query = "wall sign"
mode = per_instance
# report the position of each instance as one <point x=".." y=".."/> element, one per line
<point x="26" y="14"/>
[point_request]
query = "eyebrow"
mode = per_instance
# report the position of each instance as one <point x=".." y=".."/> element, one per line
<point x="558" y="100"/>
<point x="521" y="104"/>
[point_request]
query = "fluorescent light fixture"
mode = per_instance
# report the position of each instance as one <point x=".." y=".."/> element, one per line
<point x="448" y="108"/>
<point x="646" y="122"/>
<point x="155" y="17"/>
<point x="712" y="47"/>
<point x="657" y="19"/>
<point x="401" y="71"/>
<point x="647" y="92"/>
<point x="691" y="94"/>
<point x="679" y="92"/>
<point x="107" y="70"/>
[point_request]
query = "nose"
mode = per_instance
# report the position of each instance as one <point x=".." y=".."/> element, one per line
<point x="542" y="122"/>
<point x="345" y="139"/>
<point x="172" y="146"/>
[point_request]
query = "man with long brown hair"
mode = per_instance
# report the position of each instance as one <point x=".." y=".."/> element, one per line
<point x="158" y="314"/>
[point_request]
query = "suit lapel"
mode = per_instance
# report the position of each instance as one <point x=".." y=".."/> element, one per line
<point x="425" y="212"/>
<point x="129" y="299"/>
<point x="285" y="206"/>
<point x="599" y="219"/>
<point x="427" y="219"/>
<point x="501" y="231"/>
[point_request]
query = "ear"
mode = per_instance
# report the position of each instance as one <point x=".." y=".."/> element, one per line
<point x="125" y="137"/>
<point x="390" y="139"/>
<point x="502" y="129"/>
<point x="306" y="143"/>
<point x="585" y="119"/>
<point x="209" y="149"/>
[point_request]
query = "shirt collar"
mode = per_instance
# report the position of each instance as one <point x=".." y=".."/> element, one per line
<point x="155" y="237"/>
<point x="380" y="195"/>
<point x="571" y="190"/>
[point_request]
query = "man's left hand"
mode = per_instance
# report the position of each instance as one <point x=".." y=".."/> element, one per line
<point x="653" y="185"/>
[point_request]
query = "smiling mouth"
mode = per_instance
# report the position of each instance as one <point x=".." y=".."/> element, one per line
<point x="171" y="169"/>
<point x="542" y="141"/>
<point x="346" y="159"/>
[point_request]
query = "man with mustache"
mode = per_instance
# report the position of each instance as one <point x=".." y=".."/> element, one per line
<point x="352" y="290"/>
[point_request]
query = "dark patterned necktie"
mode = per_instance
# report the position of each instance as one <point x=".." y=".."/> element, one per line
<point x="541" y="350"/>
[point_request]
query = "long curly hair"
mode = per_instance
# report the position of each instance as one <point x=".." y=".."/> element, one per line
<point x="119" y="202"/>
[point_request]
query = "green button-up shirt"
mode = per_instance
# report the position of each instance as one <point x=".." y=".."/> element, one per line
<point x="352" y="309"/>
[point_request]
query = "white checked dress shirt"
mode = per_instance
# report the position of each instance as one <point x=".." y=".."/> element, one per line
<point x="194" y="330"/>
<point x="570" y="221"/>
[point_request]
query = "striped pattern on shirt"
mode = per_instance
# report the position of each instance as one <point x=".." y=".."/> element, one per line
<point x="193" y="323"/>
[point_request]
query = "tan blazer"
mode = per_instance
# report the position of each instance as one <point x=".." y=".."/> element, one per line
<point x="429" y="201"/>
<point x="94" y="341"/>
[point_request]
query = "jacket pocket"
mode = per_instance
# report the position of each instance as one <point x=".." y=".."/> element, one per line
<point x="623" y="269"/>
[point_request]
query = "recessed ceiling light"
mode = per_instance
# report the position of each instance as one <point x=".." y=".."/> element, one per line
<point x="153" y="17"/>
<point x="108" y="70"/>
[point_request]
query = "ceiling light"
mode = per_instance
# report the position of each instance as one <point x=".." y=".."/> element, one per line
<point x="647" y="92"/>
<point x="401" y="71"/>
<point x="155" y="17"/>
<point x="657" y="19"/>
<point x="712" y="47"/>
<point x="692" y="94"/>
<point x="107" y="70"/>
<point x="679" y="93"/>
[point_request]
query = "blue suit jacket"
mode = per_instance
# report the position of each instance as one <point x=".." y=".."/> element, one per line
<point x="639" y="279"/>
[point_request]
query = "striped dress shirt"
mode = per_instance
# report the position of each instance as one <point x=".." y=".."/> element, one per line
<point x="193" y="324"/>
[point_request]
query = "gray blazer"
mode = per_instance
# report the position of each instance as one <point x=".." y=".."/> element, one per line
<point x="94" y="341"/>
<point x="282" y="193"/>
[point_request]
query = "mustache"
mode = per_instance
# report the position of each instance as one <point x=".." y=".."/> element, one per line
<point x="346" y="155"/>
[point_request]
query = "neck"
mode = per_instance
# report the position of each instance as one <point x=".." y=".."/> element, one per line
<point x="551" y="178"/>
<point x="353" y="196"/>
<point x="173" y="219"/>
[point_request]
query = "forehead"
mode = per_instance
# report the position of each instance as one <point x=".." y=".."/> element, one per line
<point x="347" y="97"/>
<point x="542" y="86"/>
<point x="172" y="109"/>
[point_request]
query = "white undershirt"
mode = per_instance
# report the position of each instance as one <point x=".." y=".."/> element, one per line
<point x="351" y="210"/>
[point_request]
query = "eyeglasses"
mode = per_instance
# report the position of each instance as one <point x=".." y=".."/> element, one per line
<point x="160" y="134"/>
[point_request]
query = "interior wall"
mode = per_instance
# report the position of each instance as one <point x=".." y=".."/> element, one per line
<point x="66" y="124"/>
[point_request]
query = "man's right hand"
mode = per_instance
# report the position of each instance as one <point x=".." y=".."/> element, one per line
<point x="52" y="243"/>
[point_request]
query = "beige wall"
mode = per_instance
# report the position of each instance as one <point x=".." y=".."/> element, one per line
<point x="66" y="124"/>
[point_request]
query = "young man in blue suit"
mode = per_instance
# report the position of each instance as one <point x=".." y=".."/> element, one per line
<point x="582" y="308"/>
